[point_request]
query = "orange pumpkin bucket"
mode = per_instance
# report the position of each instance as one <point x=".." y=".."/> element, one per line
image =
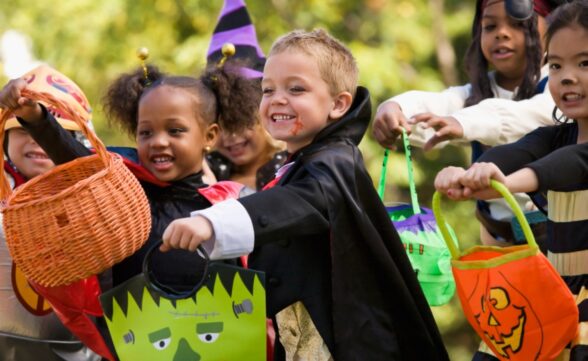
<point x="76" y="220"/>
<point x="512" y="296"/>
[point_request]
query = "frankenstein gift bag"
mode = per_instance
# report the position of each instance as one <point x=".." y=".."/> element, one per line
<point x="422" y="239"/>
<point x="512" y="296"/>
<point x="222" y="318"/>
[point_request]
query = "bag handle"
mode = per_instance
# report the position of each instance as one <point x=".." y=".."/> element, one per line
<point x="168" y="291"/>
<point x="416" y="208"/>
<point x="501" y="188"/>
<point x="5" y="189"/>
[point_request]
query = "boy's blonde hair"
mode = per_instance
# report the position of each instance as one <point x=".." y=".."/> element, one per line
<point x="336" y="64"/>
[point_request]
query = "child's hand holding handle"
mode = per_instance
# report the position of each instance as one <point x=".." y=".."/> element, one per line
<point x="388" y="124"/>
<point x="460" y="184"/>
<point x="186" y="233"/>
<point x="448" y="182"/>
<point x="25" y="108"/>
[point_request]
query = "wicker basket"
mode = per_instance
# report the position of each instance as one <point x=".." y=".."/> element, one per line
<point x="76" y="220"/>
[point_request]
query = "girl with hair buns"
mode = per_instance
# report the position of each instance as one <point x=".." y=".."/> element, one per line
<point x="175" y="121"/>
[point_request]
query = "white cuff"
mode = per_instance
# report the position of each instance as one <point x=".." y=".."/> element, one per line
<point x="233" y="230"/>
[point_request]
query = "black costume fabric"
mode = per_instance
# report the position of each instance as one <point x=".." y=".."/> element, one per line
<point x="323" y="237"/>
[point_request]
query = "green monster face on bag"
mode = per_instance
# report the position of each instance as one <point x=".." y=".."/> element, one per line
<point x="224" y="320"/>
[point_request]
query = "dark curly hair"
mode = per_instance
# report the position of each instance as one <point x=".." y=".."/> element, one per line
<point x="477" y="65"/>
<point x="121" y="101"/>
<point x="237" y="97"/>
<point x="223" y="96"/>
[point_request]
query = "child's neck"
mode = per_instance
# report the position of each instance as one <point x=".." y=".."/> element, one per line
<point x="582" y="131"/>
<point x="508" y="83"/>
<point x="247" y="173"/>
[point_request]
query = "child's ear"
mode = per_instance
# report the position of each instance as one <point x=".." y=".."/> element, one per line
<point x="211" y="136"/>
<point x="341" y="104"/>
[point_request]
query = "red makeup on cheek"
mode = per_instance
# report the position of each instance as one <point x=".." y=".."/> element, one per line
<point x="296" y="127"/>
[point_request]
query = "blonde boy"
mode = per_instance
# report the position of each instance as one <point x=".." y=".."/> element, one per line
<point x="339" y="283"/>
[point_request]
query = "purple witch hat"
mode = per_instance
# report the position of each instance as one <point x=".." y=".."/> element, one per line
<point x="235" y="27"/>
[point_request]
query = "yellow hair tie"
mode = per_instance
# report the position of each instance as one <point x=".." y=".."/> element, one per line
<point x="143" y="54"/>
<point x="228" y="50"/>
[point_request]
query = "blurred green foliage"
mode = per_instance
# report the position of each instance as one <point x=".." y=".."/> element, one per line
<point x="94" y="41"/>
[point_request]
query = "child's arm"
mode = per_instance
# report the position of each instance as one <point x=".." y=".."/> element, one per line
<point x="566" y="166"/>
<point x="459" y="184"/>
<point x="563" y="167"/>
<point x="510" y="159"/>
<point x="395" y="113"/>
<point x="22" y="107"/>
<point x="233" y="227"/>
<point x="498" y="121"/>
<point x="446" y="128"/>
<point x="477" y="182"/>
<point x="186" y="233"/>
<point x="224" y="230"/>
<point x="58" y="143"/>
<point x="388" y="124"/>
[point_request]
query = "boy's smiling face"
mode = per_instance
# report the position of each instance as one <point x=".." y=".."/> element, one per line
<point x="296" y="102"/>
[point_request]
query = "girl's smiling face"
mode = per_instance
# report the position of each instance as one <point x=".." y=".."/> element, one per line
<point x="171" y="136"/>
<point x="568" y="71"/>
<point x="246" y="147"/>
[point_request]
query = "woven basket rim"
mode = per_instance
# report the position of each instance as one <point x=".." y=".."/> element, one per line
<point x="6" y="206"/>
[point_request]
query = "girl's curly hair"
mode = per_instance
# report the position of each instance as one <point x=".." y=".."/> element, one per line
<point x="222" y="96"/>
<point x="121" y="101"/>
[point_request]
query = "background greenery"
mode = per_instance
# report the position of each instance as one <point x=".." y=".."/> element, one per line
<point x="399" y="45"/>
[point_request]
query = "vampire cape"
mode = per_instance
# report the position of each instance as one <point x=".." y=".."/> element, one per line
<point x="324" y="238"/>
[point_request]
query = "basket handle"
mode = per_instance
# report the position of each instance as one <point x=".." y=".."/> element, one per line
<point x="5" y="189"/>
<point x="416" y="208"/>
<point x="169" y="292"/>
<point x="501" y="188"/>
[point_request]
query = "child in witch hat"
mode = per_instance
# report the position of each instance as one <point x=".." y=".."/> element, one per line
<point x="251" y="156"/>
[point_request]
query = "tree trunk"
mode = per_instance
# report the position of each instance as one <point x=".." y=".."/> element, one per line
<point x="443" y="48"/>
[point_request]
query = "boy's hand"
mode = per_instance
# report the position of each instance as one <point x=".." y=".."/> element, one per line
<point x="448" y="182"/>
<point x="186" y="233"/>
<point x="22" y="107"/>
<point x="388" y="124"/>
<point x="446" y="128"/>
<point x="476" y="180"/>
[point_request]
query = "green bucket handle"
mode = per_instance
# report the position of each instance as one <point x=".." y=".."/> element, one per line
<point x="416" y="208"/>
<point x="453" y="248"/>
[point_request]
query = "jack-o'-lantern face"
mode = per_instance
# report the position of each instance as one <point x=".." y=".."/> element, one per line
<point x="503" y="316"/>
<point x="496" y="319"/>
